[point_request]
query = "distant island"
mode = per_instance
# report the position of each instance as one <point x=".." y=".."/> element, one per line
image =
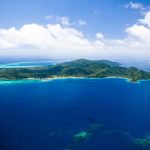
<point x="78" y="68"/>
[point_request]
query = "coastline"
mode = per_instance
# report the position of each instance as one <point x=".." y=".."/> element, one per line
<point x="29" y="80"/>
<point x="74" y="70"/>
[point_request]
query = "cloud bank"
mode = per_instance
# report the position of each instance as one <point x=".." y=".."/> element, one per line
<point x="57" y="41"/>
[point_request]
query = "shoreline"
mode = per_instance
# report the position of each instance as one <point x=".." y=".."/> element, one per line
<point x="7" y="81"/>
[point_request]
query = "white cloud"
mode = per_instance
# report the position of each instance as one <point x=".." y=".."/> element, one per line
<point x="134" y="5"/>
<point x="66" y="42"/>
<point x="48" y="17"/>
<point x="50" y="40"/>
<point x="140" y="32"/>
<point x="65" y="20"/>
<point x="146" y="19"/>
<point x="99" y="35"/>
<point x="82" y="22"/>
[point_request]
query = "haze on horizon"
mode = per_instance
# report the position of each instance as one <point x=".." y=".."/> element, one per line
<point x="65" y="30"/>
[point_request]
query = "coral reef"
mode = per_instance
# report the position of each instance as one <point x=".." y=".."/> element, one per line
<point x="82" y="136"/>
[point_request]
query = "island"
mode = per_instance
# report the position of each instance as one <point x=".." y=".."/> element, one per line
<point x="78" y="68"/>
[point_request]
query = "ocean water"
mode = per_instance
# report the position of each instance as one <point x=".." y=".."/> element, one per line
<point x="27" y="64"/>
<point x="112" y="113"/>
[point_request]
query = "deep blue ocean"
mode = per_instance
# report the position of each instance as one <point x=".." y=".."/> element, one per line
<point x="38" y="115"/>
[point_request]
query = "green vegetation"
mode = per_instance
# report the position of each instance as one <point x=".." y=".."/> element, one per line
<point x="77" y="68"/>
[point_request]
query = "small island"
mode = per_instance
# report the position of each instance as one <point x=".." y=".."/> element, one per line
<point x="81" y="68"/>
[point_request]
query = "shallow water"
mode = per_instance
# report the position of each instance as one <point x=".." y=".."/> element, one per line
<point x="27" y="64"/>
<point x="38" y="115"/>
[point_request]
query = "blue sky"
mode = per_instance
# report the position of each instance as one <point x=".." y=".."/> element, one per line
<point x="80" y="28"/>
<point x="106" y="16"/>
